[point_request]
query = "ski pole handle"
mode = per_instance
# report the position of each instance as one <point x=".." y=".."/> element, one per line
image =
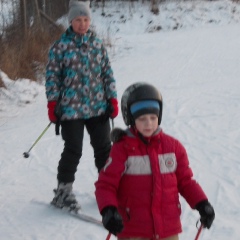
<point x="199" y="231"/>
<point x="108" y="236"/>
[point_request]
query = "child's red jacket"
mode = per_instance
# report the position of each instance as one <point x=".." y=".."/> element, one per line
<point x="143" y="180"/>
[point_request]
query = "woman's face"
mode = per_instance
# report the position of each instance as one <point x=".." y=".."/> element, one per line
<point x="147" y="124"/>
<point x="81" y="24"/>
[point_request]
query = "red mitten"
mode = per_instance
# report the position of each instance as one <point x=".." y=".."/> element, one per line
<point x="114" y="104"/>
<point x="51" y="115"/>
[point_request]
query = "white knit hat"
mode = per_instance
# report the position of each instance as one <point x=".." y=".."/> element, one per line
<point x="77" y="8"/>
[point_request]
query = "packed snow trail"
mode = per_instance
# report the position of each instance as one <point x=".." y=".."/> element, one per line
<point x="197" y="72"/>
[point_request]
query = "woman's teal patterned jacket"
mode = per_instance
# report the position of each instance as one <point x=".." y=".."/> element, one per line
<point x="79" y="71"/>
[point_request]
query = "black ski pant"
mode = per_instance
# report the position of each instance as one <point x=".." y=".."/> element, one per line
<point x="72" y="133"/>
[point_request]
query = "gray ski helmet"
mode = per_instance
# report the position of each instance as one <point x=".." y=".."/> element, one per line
<point x="138" y="92"/>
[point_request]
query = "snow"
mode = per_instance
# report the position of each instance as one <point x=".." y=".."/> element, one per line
<point x="196" y="68"/>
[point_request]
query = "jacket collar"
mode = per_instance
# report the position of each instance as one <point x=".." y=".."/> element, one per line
<point x="133" y="133"/>
<point x="70" y="34"/>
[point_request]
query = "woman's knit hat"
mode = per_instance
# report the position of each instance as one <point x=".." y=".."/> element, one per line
<point x="77" y="8"/>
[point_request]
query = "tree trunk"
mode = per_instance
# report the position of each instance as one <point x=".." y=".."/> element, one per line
<point x="154" y="7"/>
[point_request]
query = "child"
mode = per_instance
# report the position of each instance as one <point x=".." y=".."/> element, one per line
<point x="80" y="82"/>
<point x="138" y="190"/>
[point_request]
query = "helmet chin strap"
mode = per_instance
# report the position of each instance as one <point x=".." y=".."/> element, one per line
<point x="142" y="138"/>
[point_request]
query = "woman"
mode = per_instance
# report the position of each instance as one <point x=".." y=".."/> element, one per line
<point x="81" y="86"/>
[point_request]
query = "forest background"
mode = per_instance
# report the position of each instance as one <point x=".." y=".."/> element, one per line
<point x="28" y="28"/>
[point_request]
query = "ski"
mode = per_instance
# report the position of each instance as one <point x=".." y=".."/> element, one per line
<point x="82" y="216"/>
<point x="79" y="214"/>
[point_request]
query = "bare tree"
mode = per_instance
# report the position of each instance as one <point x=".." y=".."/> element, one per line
<point x="154" y="7"/>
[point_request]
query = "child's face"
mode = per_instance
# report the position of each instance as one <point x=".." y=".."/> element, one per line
<point x="147" y="124"/>
<point x="81" y="24"/>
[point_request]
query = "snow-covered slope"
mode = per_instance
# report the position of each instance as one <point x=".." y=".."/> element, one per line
<point x="196" y="68"/>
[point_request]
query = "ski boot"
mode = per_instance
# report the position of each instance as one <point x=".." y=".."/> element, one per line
<point x="65" y="198"/>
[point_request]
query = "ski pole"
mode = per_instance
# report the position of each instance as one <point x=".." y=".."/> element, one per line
<point x="112" y="123"/>
<point x="26" y="154"/>
<point x="108" y="236"/>
<point x="199" y="231"/>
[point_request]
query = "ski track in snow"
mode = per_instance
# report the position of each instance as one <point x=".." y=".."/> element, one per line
<point x="197" y="72"/>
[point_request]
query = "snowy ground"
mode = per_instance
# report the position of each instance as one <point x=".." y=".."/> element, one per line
<point x="197" y="69"/>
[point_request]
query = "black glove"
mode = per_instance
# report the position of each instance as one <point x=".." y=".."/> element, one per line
<point x="206" y="212"/>
<point x="112" y="220"/>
